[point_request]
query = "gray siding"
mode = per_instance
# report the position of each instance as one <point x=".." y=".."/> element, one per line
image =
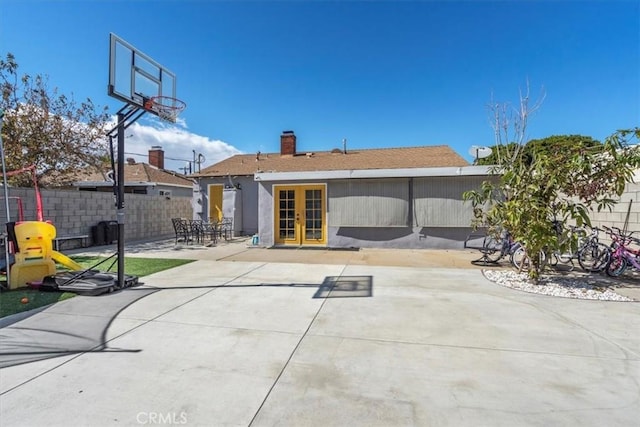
<point x="438" y="201"/>
<point x="369" y="203"/>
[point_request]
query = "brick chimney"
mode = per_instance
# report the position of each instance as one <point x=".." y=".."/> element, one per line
<point x="156" y="157"/>
<point x="287" y="143"/>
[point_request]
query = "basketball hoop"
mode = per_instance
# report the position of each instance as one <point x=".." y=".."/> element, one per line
<point x="165" y="107"/>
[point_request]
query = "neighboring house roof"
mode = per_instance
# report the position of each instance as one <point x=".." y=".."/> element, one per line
<point x="141" y="173"/>
<point x="383" y="158"/>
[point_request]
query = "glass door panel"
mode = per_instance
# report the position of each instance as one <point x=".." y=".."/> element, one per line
<point x="286" y="214"/>
<point x="313" y="214"/>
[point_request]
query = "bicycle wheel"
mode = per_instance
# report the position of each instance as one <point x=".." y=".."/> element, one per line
<point x="594" y="257"/>
<point x="616" y="266"/>
<point x="493" y="249"/>
<point x="521" y="261"/>
<point x="564" y="258"/>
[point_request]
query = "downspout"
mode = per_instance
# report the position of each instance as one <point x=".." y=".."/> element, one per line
<point x="411" y="204"/>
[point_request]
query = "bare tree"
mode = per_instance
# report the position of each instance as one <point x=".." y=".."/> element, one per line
<point x="49" y="130"/>
<point x="510" y="123"/>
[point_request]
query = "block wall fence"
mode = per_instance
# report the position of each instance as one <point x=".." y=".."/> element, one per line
<point x="628" y="205"/>
<point x="73" y="213"/>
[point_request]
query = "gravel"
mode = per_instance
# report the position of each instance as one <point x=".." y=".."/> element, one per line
<point x="565" y="287"/>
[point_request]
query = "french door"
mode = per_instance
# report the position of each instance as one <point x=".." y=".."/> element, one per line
<point x="300" y="214"/>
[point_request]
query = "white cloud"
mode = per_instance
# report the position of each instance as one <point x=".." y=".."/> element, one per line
<point x="177" y="143"/>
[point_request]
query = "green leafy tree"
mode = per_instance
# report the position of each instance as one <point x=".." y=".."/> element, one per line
<point x="538" y="147"/>
<point x="49" y="130"/>
<point x="554" y="179"/>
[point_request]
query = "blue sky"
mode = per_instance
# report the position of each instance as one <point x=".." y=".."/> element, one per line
<point x="380" y="74"/>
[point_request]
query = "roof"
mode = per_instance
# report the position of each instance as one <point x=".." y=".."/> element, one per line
<point x="383" y="158"/>
<point x="140" y="173"/>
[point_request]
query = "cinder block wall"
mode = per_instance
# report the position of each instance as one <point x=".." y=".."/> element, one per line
<point x="617" y="217"/>
<point x="75" y="212"/>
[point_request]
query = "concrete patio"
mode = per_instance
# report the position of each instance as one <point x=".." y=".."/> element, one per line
<point x="263" y="337"/>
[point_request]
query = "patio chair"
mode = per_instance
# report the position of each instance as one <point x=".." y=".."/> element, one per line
<point x="196" y="228"/>
<point x="226" y="228"/>
<point x="181" y="229"/>
<point x="211" y="231"/>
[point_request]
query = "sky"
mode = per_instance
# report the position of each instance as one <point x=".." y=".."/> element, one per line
<point x="374" y="73"/>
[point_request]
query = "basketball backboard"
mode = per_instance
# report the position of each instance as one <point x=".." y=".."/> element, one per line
<point x="135" y="78"/>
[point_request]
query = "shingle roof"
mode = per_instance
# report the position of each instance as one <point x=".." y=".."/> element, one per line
<point x="143" y="172"/>
<point x="153" y="174"/>
<point x="384" y="158"/>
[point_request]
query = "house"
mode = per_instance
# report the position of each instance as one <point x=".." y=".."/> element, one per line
<point x="141" y="178"/>
<point x="393" y="197"/>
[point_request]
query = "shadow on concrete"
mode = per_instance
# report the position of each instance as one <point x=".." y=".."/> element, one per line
<point x="331" y="286"/>
<point x="56" y="332"/>
<point x="81" y="325"/>
<point x="345" y="287"/>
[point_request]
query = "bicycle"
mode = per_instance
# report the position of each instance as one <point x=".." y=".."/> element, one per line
<point x="621" y="253"/>
<point x="593" y="256"/>
<point x="575" y="237"/>
<point x="494" y="247"/>
<point x="521" y="260"/>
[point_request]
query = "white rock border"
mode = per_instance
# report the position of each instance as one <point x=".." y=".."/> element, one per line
<point x="581" y="288"/>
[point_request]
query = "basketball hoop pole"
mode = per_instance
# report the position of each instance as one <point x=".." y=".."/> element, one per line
<point x="127" y="115"/>
<point x="120" y="198"/>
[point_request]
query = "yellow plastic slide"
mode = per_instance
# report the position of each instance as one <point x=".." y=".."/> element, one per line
<point x="66" y="261"/>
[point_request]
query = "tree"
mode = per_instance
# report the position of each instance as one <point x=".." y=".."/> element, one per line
<point x="534" y="147"/>
<point x="497" y="152"/>
<point x="47" y="129"/>
<point x="550" y="179"/>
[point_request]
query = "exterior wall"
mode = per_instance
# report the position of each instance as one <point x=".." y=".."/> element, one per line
<point x="265" y="214"/>
<point x="413" y="236"/>
<point x="444" y="201"/>
<point x="75" y="212"/>
<point x="249" y="201"/>
<point x="148" y="217"/>
<point x="438" y="201"/>
<point x="438" y="218"/>
<point x="175" y="191"/>
<point x="359" y="202"/>
<point x="628" y="204"/>
<point x="401" y="238"/>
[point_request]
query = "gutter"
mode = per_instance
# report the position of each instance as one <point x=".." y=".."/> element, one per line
<point x="375" y="173"/>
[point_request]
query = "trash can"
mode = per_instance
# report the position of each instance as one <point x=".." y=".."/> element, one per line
<point x="111" y="231"/>
<point x="99" y="234"/>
